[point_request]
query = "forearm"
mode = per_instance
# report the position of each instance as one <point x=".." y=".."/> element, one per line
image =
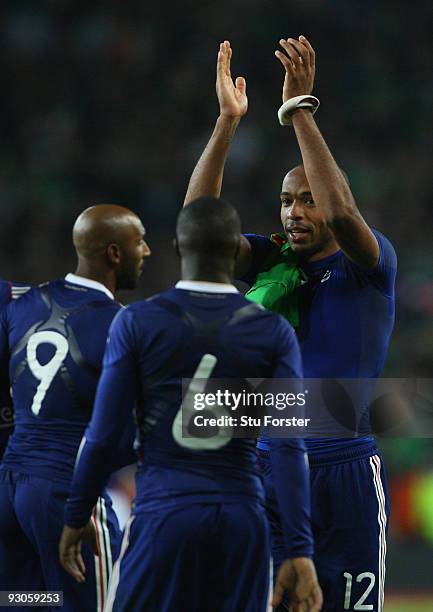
<point x="331" y="192"/>
<point x="109" y="439"/>
<point x="207" y="177"/>
<point x="292" y="487"/>
<point x="328" y="186"/>
<point x="91" y="475"/>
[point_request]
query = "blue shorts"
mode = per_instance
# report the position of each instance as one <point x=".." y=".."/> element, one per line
<point x="350" y="511"/>
<point x="31" y="521"/>
<point x="211" y="557"/>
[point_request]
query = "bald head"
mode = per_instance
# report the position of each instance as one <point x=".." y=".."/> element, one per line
<point x="110" y="238"/>
<point x="99" y="225"/>
<point x="299" y="171"/>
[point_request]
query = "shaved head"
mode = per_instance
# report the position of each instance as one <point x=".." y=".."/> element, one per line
<point x="208" y="226"/>
<point x="99" y="225"/>
<point x="208" y="238"/>
<point x="110" y="238"/>
<point x="299" y="170"/>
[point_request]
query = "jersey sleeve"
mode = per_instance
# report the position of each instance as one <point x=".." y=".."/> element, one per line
<point x="288" y="362"/>
<point x="111" y="429"/>
<point x="384" y="273"/>
<point x="261" y="246"/>
<point x="289" y="462"/>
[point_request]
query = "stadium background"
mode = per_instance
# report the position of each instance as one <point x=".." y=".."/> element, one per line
<point x="113" y="101"/>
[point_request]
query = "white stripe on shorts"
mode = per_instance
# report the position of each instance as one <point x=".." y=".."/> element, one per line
<point x="114" y="582"/>
<point x="375" y="464"/>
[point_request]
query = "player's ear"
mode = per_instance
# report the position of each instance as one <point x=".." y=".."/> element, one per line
<point x="113" y="253"/>
<point x="176" y="246"/>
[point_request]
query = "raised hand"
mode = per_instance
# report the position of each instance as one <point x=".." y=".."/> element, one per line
<point x="299" y="61"/>
<point x="232" y="97"/>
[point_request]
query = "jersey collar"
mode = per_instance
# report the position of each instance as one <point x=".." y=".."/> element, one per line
<point x="206" y="287"/>
<point x="89" y="283"/>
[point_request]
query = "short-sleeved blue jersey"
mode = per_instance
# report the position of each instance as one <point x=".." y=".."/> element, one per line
<point x="152" y="346"/>
<point x="346" y="316"/>
<point x="52" y="341"/>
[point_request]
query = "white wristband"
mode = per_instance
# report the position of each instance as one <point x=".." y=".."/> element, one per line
<point x="286" y="111"/>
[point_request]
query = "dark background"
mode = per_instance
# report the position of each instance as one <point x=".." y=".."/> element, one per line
<point x="113" y="101"/>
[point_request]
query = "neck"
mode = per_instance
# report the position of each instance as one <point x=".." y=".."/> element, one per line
<point x="330" y="249"/>
<point x="207" y="271"/>
<point x="92" y="272"/>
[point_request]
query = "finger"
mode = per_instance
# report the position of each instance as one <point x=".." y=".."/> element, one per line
<point x="241" y="85"/>
<point x="221" y="60"/>
<point x="301" y="50"/>
<point x="75" y="573"/>
<point x="69" y="564"/>
<point x="223" y="64"/>
<point x="287" y="62"/>
<point x="229" y="58"/>
<point x="311" y="51"/>
<point x="277" y="596"/>
<point x="291" y="51"/>
<point x="79" y="560"/>
<point x="318" y="599"/>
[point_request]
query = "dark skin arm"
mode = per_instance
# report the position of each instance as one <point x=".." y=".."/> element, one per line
<point x="328" y="185"/>
<point x="207" y="177"/>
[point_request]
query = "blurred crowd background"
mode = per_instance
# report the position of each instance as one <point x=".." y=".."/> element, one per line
<point x="110" y="101"/>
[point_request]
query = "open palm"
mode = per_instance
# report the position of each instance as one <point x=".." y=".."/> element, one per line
<point x="232" y="97"/>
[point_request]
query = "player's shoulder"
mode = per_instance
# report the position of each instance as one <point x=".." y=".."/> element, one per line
<point x="271" y="324"/>
<point x="148" y="312"/>
<point x="10" y="291"/>
<point x="22" y="299"/>
<point x="382" y="276"/>
<point x="386" y="247"/>
<point x="58" y="291"/>
<point x="260" y="242"/>
<point x="284" y="328"/>
<point x="145" y="321"/>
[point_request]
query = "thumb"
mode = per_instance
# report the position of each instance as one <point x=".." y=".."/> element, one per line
<point x="241" y="85"/>
<point x="277" y="596"/>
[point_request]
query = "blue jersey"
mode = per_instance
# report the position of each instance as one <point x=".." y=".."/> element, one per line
<point x="346" y="317"/>
<point x="8" y="292"/>
<point x="152" y="346"/>
<point x="53" y="339"/>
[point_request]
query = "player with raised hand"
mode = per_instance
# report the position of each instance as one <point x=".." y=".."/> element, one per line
<point x="206" y="180"/>
<point x="198" y="539"/>
<point x="52" y="341"/>
<point x="327" y="273"/>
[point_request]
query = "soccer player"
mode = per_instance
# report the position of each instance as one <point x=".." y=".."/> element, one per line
<point x="198" y="538"/>
<point x="333" y="276"/>
<point x="53" y="339"/>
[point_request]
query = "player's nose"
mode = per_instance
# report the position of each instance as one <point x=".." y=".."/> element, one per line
<point x="295" y="212"/>
<point x="146" y="249"/>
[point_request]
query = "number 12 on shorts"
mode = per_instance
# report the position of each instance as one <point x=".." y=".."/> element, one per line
<point x="359" y="605"/>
